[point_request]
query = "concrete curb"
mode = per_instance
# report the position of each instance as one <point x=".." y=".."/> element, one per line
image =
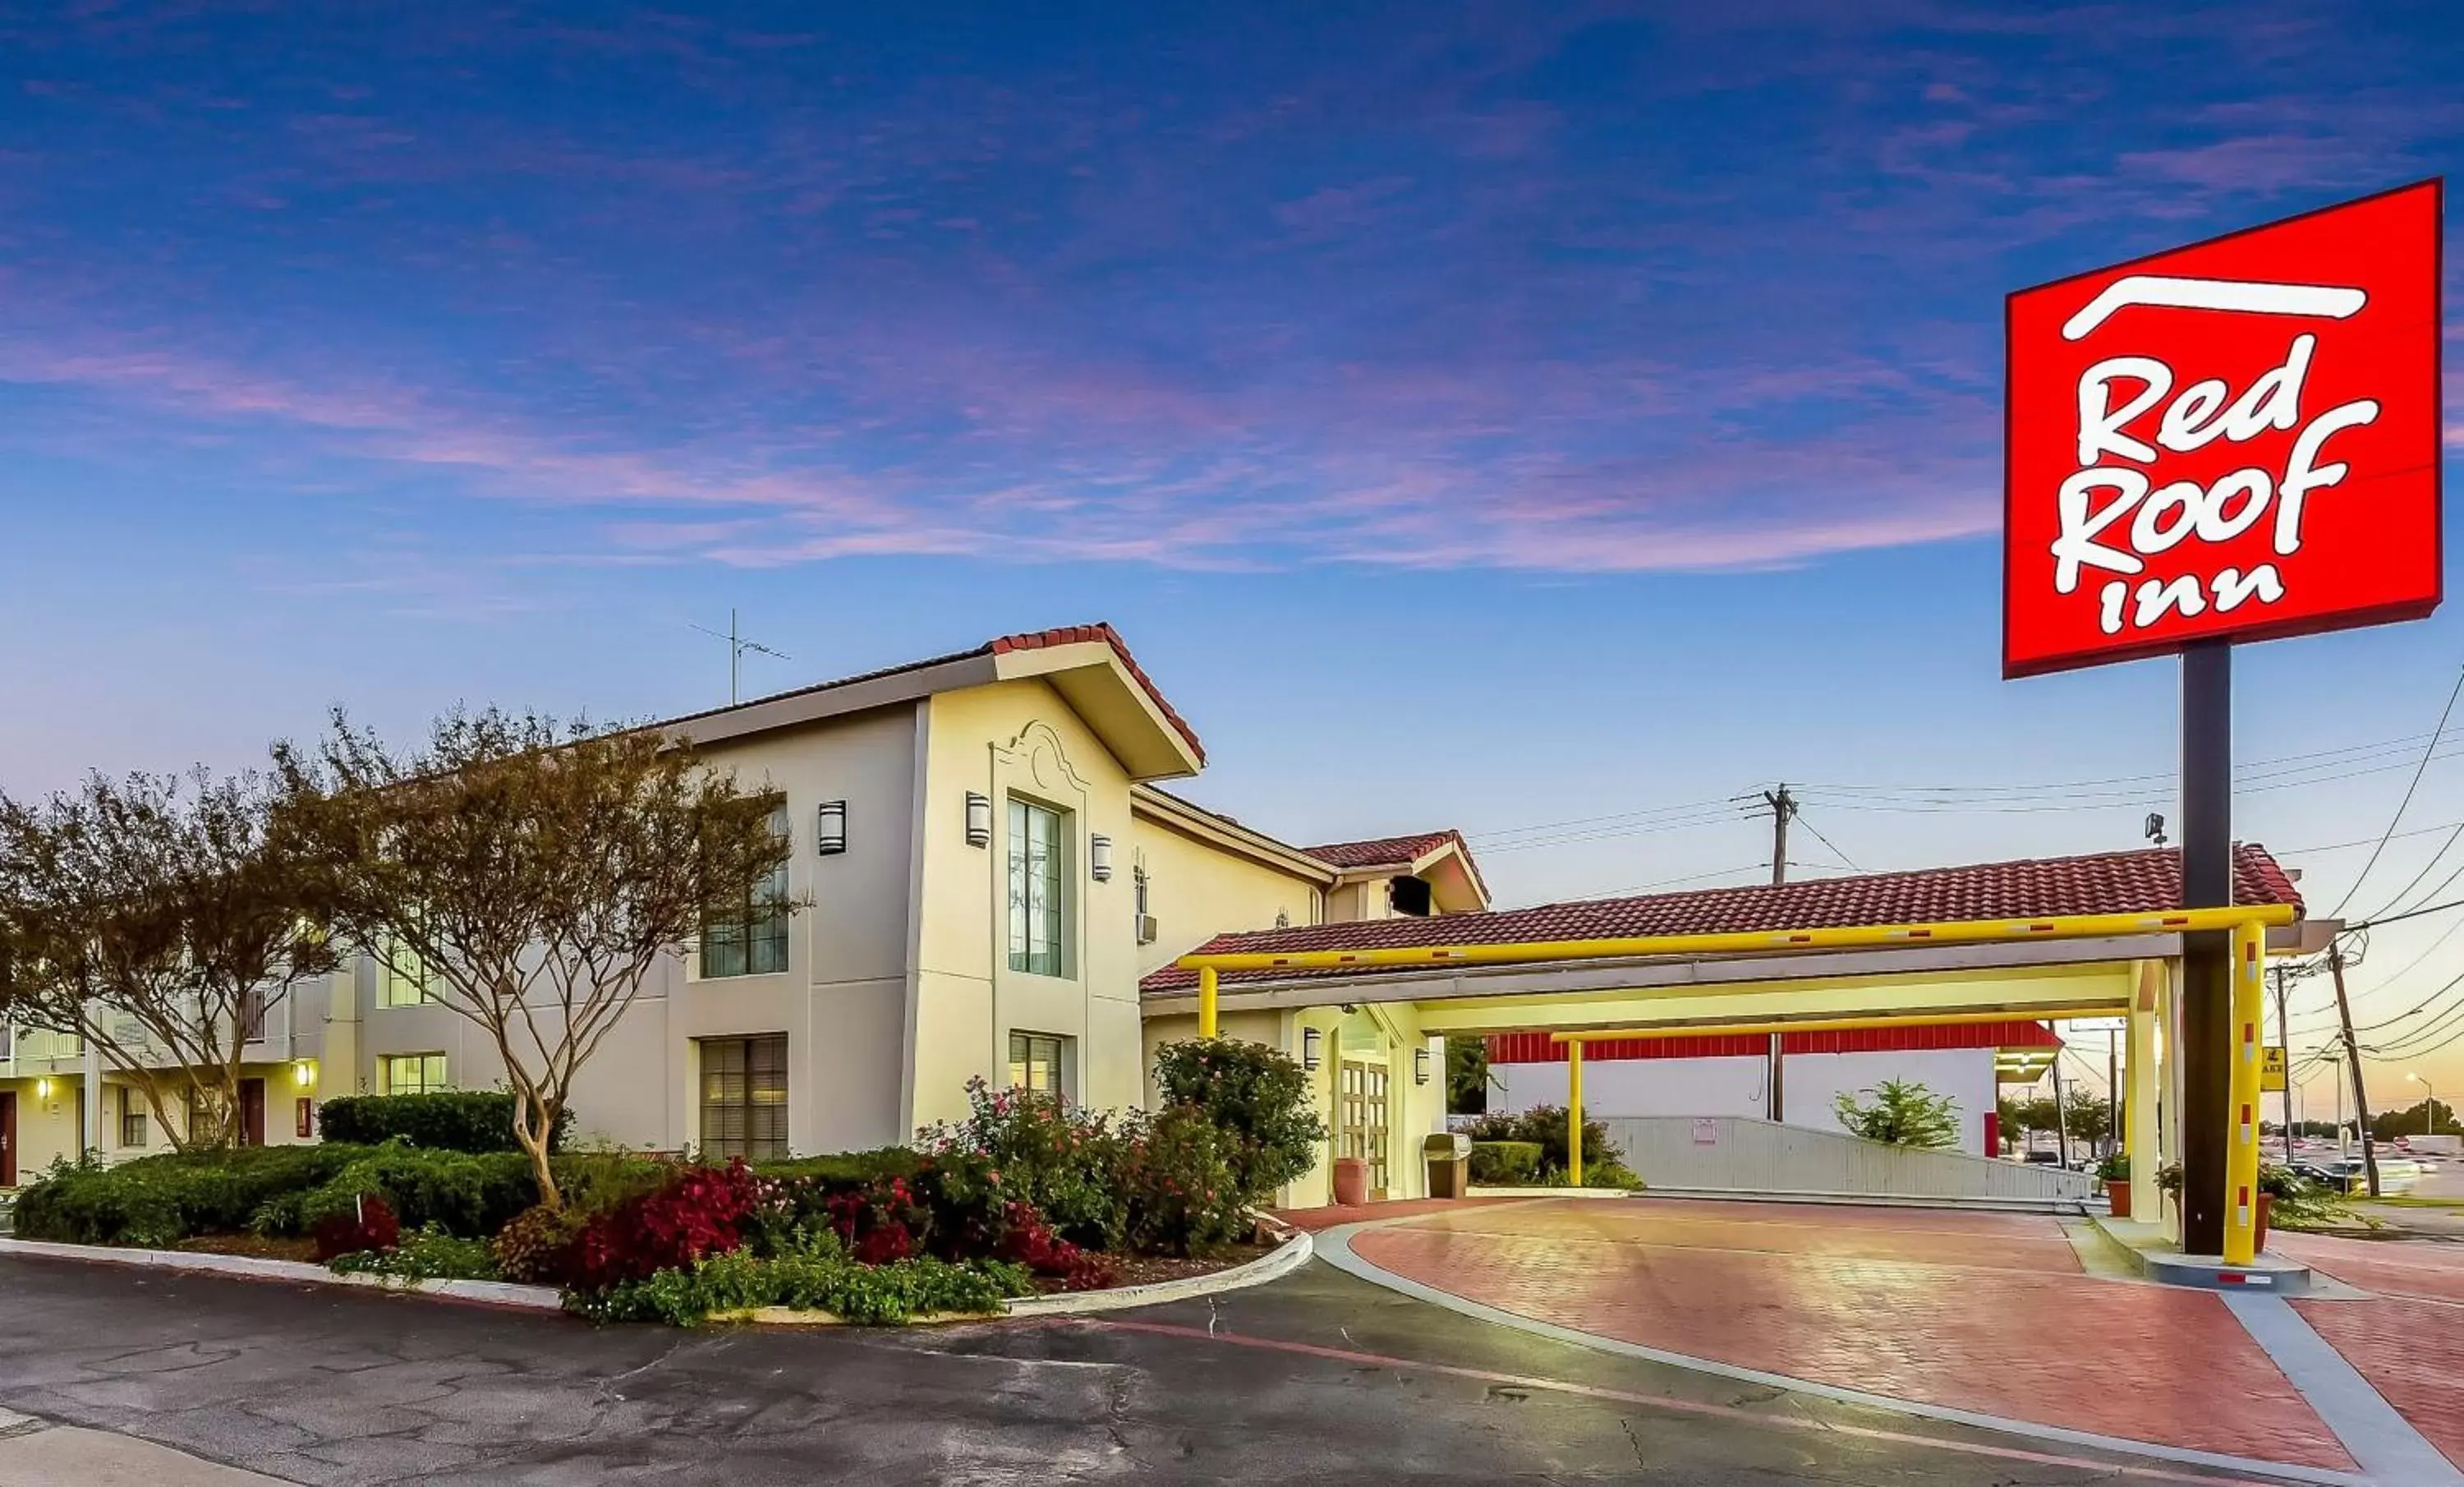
<point x="1334" y="1247"/>
<point x="250" y="1267"/>
<point x="1550" y="1192"/>
<point x="2160" y="1263"/>
<point x="1288" y="1256"/>
<point x="1283" y="1260"/>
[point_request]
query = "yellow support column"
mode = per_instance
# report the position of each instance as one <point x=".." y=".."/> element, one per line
<point x="2145" y="1097"/>
<point x="1575" y="1114"/>
<point x="1206" y="977"/>
<point x="2241" y="1153"/>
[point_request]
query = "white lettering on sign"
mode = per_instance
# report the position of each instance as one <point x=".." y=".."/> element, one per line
<point x="2114" y="518"/>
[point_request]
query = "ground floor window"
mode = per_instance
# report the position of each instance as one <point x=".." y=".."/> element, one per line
<point x="413" y="1074"/>
<point x="132" y="1116"/>
<point x="744" y="1097"/>
<point x="1036" y="1061"/>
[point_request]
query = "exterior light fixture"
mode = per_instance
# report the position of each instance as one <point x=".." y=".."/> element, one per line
<point x="1309" y="1039"/>
<point x="303" y="1072"/>
<point x="979" y="819"/>
<point x="1099" y="858"/>
<point x="1420" y="1066"/>
<point x="42" y="1089"/>
<point x="829" y="836"/>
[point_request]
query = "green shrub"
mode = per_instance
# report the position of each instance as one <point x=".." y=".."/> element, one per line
<point x="1059" y="1156"/>
<point x="160" y="1200"/>
<point x="429" y="1254"/>
<point x="872" y="1295"/>
<point x="1900" y="1113"/>
<point x="1545" y="1126"/>
<point x="473" y="1120"/>
<point x="1505" y="1164"/>
<point x="1177" y="1177"/>
<point x="848" y="1168"/>
<point x="468" y="1195"/>
<point x="536" y="1247"/>
<point x="1257" y="1096"/>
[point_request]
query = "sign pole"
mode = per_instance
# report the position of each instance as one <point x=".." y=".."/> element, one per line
<point x="2207" y="958"/>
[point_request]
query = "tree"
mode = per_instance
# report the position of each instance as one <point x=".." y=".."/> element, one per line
<point x="1467" y="1081"/>
<point x="2413" y="1120"/>
<point x="2090" y="1120"/>
<point x="1901" y="1113"/>
<point x="159" y="918"/>
<point x="532" y="875"/>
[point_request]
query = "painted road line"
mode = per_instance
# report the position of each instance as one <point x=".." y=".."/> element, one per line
<point x="1673" y="1403"/>
<point x="2375" y="1432"/>
<point x="1334" y="1247"/>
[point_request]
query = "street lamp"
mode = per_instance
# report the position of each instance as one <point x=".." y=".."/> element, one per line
<point x="2428" y="1106"/>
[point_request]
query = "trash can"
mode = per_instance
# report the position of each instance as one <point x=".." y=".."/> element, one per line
<point x="1449" y="1159"/>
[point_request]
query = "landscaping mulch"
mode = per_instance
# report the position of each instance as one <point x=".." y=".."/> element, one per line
<point x="1146" y="1270"/>
<point x="254" y="1246"/>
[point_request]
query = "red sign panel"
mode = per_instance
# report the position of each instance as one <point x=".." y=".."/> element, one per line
<point x="2231" y="441"/>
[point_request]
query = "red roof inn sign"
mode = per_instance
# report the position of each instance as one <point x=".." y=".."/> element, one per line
<point x="2229" y="441"/>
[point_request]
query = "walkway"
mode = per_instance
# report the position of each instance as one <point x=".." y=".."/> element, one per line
<point x="1984" y="1313"/>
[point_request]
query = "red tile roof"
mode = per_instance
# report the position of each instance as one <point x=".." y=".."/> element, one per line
<point x="2111" y="882"/>
<point x="1031" y="640"/>
<point x="1382" y="851"/>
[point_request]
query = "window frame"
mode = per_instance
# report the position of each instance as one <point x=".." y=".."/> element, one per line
<point x="747" y="1105"/>
<point x="132" y="1116"/>
<point x="1023" y="1045"/>
<point x="1055" y="905"/>
<point x="440" y="1082"/>
<point x="755" y="934"/>
<point x="391" y="982"/>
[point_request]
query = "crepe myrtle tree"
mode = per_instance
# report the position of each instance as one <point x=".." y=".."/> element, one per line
<point x="158" y="918"/>
<point x="530" y="872"/>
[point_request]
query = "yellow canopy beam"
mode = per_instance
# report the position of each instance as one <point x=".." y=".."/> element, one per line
<point x="1833" y="1024"/>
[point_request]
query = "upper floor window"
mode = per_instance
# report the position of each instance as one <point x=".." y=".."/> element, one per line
<point x="252" y="1015"/>
<point x="403" y="980"/>
<point x="1411" y="896"/>
<point x="749" y="937"/>
<point x="1037" y="890"/>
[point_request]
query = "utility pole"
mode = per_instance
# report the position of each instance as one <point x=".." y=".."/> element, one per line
<point x="2061" y="1117"/>
<point x="2284" y="1036"/>
<point x="1783" y="810"/>
<point x="2353" y="1052"/>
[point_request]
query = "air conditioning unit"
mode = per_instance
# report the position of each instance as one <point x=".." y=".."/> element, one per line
<point x="1146" y="929"/>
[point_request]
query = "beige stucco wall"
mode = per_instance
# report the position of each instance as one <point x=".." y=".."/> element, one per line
<point x="1196" y="890"/>
<point x="1018" y="738"/>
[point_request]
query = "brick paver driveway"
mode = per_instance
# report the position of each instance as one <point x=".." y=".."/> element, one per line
<point x="1984" y="1312"/>
<point x="2407" y="1336"/>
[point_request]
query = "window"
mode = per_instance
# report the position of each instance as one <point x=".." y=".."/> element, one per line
<point x="132" y="1116"/>
<point x="252" y="1015"/>
<point x="750" y="938"/>
<point x="1036" y="852"/>
<point x="402" y="981"/>
<point x="7" y="1041"/>
<point x="1410" y="896"/>
<point x="744" y="1097"/>
<point x="1036" y="1060"/>
<point x="413" y="1074"/>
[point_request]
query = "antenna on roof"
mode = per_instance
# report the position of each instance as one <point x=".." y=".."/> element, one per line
<point x="737" y="646"/>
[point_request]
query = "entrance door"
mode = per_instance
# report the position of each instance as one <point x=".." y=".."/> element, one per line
<point x="252" y="1111"/>
<point x="9" y="1139"/>
<point x="1364" y="1120"/>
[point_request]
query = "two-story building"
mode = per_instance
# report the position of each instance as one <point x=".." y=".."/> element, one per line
<point x="987" y="868"/>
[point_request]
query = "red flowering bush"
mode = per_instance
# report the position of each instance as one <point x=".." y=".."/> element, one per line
<point x="1049" y="1151"/>
<point x="881" y="1223"/>
<point x="369" y="1224"/>
<point x="700" y="1212"/>
<point x="1029" y="1241"/>
<point x="1177" y="1179"/>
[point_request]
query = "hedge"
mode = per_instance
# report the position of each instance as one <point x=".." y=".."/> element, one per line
<point x="157" y="1201"/>
<point x="472" y="1121"/>
<point x="1505" y="1164"/>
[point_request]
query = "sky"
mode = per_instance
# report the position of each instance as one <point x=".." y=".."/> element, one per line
<point x="1491" y="415"/>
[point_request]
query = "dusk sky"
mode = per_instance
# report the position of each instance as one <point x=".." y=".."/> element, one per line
<point x="1491" y="416"/>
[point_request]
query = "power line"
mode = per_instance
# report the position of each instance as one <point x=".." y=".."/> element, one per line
<point x="1828" y="842"/>
<point x="2436" y="734"/>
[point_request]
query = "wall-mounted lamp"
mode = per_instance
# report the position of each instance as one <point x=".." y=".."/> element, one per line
<point x="979" y="819"/>
<point x="303" y="1072"/>
<point x="1309" y="1039"/>
<point x="1099" y="858"/>
<point x="1420" y="1066"/>
<point x="42" y="1089"/>
<point x="829" y="835"/>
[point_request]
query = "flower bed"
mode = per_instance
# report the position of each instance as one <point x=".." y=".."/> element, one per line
<point x="1027" y="1194"/>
